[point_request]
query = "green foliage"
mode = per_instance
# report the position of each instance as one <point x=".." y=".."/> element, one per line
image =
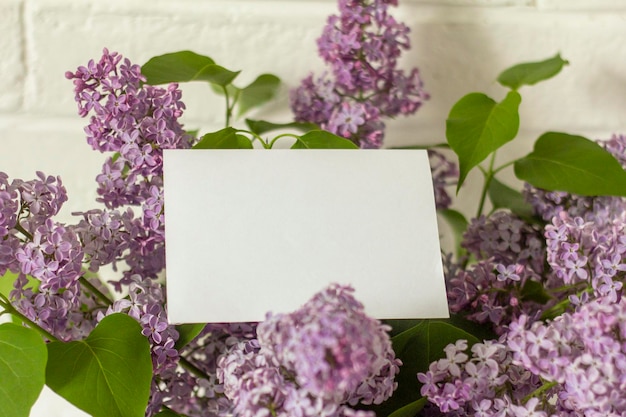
<point x="320" y="139"/>
<point x="477" y="126"/>
<point x="564" y="162"/>
<point x="503" y="196"/>
<point x="261" y="126"/>
<point x="108" y="374"/>
<point x="226" y="138"/>
<point x="532" y="72"/>
<point x="260" y="91"/>
<point x="458" y="223"/>
<point x="185" y="66"/>
<point x="411" y="409"/>
<point x="23" y="359"/>
<point x="534" y="291"/>
<point x="187" y="332"/>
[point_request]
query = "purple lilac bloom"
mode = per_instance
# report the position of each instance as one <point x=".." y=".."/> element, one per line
<point x="318" y="360"/>
<point x="361" y="46"/>
<point x="581" y="352"/>
<point x="133" y="120"/>
<point x="34" y="245"/>
<point x="474" y="382"/>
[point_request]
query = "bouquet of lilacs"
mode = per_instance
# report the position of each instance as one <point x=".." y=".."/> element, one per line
<point x="534" y="287"/>
<point x="100" y="337"/>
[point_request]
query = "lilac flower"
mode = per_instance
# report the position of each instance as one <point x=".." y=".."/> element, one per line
<point x="137" y="121"/>
<point x="314" y="361"/>
<point x="361" y="46"/>
<point x="586" y="356"/>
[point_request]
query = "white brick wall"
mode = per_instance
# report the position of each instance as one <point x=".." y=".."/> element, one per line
<point x="459" y="46"/>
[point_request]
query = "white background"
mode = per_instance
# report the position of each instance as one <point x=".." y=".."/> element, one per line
<point x="459" y="45"/>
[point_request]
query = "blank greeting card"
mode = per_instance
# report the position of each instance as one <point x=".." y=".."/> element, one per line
<point x="252" y="231"/>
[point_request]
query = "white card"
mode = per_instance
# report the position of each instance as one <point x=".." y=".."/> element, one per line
<point x="253" y="231"/>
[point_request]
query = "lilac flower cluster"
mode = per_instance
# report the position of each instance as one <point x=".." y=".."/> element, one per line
<point x="361" y="45"/>
<point x="133" y="120"/>
<point x="319" y="360"/>
<point x="583" y="252"/>
<point x="510" y="257"/>
<point x="476" y="385"/>
<point x="553" y="293"/>
<point x="581" y="353"/>
<point x="33" y="244"/>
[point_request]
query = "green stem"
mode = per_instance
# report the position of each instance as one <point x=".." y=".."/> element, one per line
<point x="501" y="167"/>
<point x="85" y="282"/>
<point x="23" y="231"/>
<point x="488" y="176"/>
<point x="540" y="390"/>
<point x="229" y="110"/>
<point x="254" y="137"/>
<point x="283" y="135"/>
<point x="7" y="306"/>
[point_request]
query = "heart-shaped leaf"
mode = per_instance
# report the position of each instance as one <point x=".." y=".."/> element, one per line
<point x="531" y="72"/>
<point x="108" y="374"/>
<point x="185" y="66"/>
<point x="563" y="162"/>
<point x="258" y="92"/>
<point x="321" y="139"/>
<point x="477" y="126"/>
<point x="23" y="358"/>
<point x="226" y="138"/>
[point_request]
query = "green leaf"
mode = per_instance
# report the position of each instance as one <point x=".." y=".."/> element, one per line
<point x="321" y="139"/>
<point x="193" y="132"/>
<point x="477" y="126"/>
<point x="243" y="142"/>
<point x="458" y="223"/>
<point x="503" y="196"/>
<point x="535" y="291"/>
<point x="6" y="283"/>
<point x="6" y="286"/>
<point x="411" y="409"/>
<point x="563" y="162"/>
<point x="23" y="359"/>
<point x="258" y="92"/>
<point x="261" y="126"/>
<point x="187" y="332"/>
<point x="531" y="73"/>
<point x="185" y="66"/>
<point x="106" y="375"/>
<point x="226" y="138"/>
